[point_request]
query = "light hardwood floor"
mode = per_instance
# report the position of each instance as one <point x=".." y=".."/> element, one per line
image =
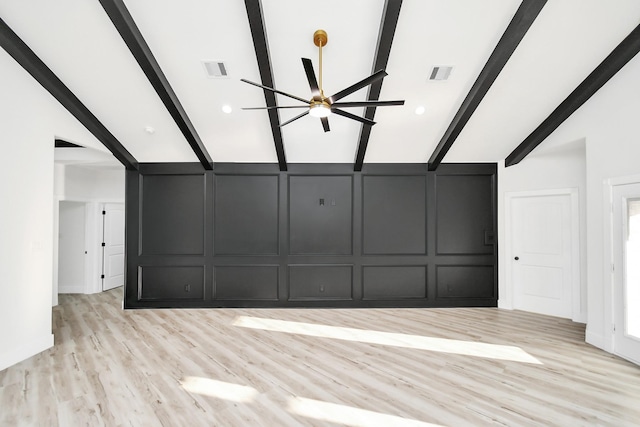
<point x="291" y="367"/>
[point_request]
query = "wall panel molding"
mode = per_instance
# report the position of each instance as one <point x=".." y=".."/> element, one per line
<point x="320" y="282"/>
<point x="172" y="214"/>
<point x="394" y="215"/>
<point x="246" y="282"/>
<point x="389" y="282"/>
<point x="320" y="219"/>
<point x="318" y="235"/>
<point x="246" y="215"/>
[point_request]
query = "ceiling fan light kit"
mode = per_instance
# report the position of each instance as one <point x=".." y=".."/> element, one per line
<point x="320" y="105"/>
<point x="319" y="109"/>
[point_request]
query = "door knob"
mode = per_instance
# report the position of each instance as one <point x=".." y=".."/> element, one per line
<point x="517" y="258"/>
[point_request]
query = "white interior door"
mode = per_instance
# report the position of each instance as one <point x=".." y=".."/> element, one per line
<point x="541" y="258"/>
<point x="113" y="246"/>
<point x="626" y="271"/>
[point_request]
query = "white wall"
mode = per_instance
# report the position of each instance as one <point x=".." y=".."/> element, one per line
<point x="71" y="247"/>
<point x="608" y="123"/>
<point x="89" y="183"/>
<point x="31" y="120"/>
<point x="613" y="150"/>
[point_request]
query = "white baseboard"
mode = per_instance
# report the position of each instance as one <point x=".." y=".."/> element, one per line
<point x="25" y="351"/>
<point x="596" y="340"/>
<point x="504" y="305"/>
<point x="78" y="289"/>
<point x="580" y="318"/>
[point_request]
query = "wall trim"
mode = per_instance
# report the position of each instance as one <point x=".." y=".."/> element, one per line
<point x="597" y="340"/>
<point x="25" y="351"/>
<point x="77" y="289"/>
<point x="607" y="337"/>
<point x="323" y="186"/>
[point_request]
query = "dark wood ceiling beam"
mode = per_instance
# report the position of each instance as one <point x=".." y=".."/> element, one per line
<point x="613" y="63"/>
<point x="390" y="15"/>
<point x="515" y="32"/>
<point x="126" y="26"/>
<point x="61" y="143"/>
<point x="259" y="35"/>
<point x="43" y="75"/>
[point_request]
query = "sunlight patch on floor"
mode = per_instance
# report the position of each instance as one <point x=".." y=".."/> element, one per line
<point x="219" y="389"/>
<point x="348" y="415"/>
<point x="441" y="345"/>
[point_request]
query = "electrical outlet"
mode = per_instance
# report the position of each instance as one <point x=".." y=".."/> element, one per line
<point x="187" y="288"/>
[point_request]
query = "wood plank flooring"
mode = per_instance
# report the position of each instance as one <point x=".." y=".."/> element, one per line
<point x="315" y="367"/>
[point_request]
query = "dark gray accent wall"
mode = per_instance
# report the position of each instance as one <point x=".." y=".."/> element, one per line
<point x="318" y="235"/>
<point x="394" y="215"/>
<point x="320" y="215"/>
<point x="246" y="215"/>
<point x="172" y="215"/>
<point x="461" y="226"/>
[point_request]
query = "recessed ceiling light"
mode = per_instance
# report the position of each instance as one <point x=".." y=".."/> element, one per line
<point x="227" y="109"/>
<point x="420" y="110"/>
<point x="440" y="73"/>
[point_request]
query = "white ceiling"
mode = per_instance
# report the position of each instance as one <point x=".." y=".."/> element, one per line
<point x="76" y="39"/>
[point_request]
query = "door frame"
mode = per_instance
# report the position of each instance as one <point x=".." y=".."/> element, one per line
<point x="93" y="239"/>
<point x="608" y="258"/>
<point x="506" y="296"/>
<point x="104" y="207"/>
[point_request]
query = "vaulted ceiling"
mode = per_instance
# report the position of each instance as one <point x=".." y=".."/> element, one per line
<point x="513" y="64"/>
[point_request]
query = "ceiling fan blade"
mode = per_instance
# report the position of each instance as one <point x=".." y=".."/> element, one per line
<point x="362" y="83"/>
<point x="366" y="104"/>
<point x="276" y="91"/>
<point x="325" y="123"/>
<point x="311" y="76"/>
<point x="353" y="117"/>
<point x="295" y="118"/>
<point x="276" y="107"/>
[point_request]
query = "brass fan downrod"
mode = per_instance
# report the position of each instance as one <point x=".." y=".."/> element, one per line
<point x="320" y="106"/>
<point x="320" y="39"/>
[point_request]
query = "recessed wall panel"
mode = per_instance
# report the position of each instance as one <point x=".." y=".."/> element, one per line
<point x="394" y="214"/>
<point x="320" y="215"/>
<point x="246" y="215"/>
<point x="315" y="235"/>
<point x="171" y="282"/>
<point x="464" y="210"/>
<point x="172" y="215"/>
<point x="320" y="282"/>
<point x="246" y="282"/>
<point x="460" y="281"/>
<point x="394" y="282"/>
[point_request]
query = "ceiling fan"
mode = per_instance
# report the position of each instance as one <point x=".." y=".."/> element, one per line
<point x="323" y="106"/>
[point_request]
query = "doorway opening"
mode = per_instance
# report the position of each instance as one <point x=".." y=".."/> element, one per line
<point x="90" y="247"/>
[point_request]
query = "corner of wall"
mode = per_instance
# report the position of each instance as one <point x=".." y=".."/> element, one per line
<point x="25" y="351"/>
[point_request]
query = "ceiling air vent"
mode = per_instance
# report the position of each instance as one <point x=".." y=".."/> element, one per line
<point x="440" y="73"/>
<point x="215" y="69"/>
